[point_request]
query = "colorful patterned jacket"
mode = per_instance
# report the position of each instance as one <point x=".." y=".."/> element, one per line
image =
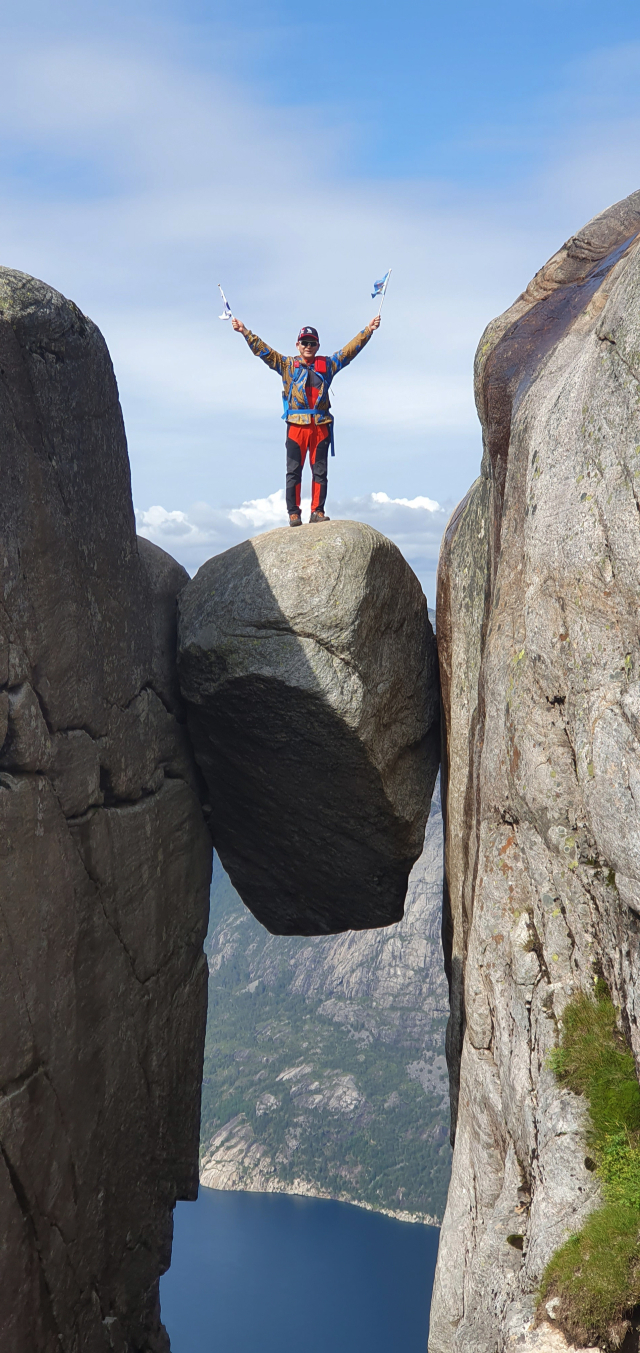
<point x="294" y="377"/>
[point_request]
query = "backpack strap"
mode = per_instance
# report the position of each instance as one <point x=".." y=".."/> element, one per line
<point x="320" y="366"/>
<point x="287" y="407"/>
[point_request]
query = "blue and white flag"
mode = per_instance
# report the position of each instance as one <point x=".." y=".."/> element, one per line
<point x="380" y="287"/>
<point x="227" y="308"/>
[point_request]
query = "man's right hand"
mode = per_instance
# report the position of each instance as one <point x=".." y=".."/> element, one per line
<point x="239" y="327"/>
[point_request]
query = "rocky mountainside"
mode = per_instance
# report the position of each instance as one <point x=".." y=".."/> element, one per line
<point x="538" y="602"/>
<point x="324" y="1059"/>
<point x="105" y="860"/>
<point x="309" y="668"/>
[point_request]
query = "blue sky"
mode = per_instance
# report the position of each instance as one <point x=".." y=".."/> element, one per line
<point x="148" y="151"/>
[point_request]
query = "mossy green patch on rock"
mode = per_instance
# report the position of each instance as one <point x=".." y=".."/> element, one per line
<point x="596" y="1273"/>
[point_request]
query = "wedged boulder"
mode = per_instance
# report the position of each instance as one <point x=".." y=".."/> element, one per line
<point x="308" y="666"/>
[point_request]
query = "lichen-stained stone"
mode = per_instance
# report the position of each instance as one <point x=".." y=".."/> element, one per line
<point x="75" y="772"/>
<point x="539" y="645"/>
<point x="26" y="742"/>
<point x="104" y="860"/>
<point x="307" y="663"/>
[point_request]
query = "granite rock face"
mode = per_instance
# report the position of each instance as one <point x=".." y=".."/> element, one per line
<point x="538" y="602"/>
<point x="308" y="665"/>
<point x="104" y="860"/>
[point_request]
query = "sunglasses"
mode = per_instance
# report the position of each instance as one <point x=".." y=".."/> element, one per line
<point x="308" y="342"/>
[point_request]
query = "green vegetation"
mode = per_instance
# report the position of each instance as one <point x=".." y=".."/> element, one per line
<point x="392" y="1149"/>
<point x="596" y="1273"/>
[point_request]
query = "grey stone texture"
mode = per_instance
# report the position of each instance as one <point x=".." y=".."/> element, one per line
<point x="308" y="665"/>
<point x="537" y="621"/>
<point x="104" y="860"/>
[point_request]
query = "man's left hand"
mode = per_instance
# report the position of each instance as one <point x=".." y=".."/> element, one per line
<point x="374" y="324"/>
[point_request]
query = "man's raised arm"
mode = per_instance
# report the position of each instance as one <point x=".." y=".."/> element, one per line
<point x="350" y="350"/>
<point x="273" y="359"/>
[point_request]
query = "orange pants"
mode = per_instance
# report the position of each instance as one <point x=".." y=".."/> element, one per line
<point x="315" y="440"/>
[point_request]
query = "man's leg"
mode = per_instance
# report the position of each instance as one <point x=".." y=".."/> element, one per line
<point x="319" y="461"/>
<point x="296" y="444"/>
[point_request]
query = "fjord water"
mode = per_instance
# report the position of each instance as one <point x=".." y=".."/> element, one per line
<point x="279" y="1274"/>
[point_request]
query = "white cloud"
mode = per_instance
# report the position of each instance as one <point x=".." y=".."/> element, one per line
<point x="416" y="525"/>
<point x="428" y="504"/>
<point x="263" y="513"/>
<point x="191" y="194"/>
<point x="160" y="182"/>
<point x="193" y="536"/>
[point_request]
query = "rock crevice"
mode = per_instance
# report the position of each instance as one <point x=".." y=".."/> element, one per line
<point x="309" y="688"/>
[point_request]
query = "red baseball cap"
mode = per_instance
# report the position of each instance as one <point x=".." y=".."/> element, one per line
<point x="308" y="332"/>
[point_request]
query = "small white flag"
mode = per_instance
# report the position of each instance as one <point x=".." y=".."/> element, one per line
<point x="227" y="308"/>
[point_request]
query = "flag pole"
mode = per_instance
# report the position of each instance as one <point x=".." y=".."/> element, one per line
<point x="227" y="308"/>
<point x="384" y="291"/>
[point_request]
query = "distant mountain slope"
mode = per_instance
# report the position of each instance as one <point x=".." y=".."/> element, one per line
<point x="324" y="1060"/>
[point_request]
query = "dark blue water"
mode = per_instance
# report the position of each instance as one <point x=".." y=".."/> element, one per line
<point x="266" y="1273"/>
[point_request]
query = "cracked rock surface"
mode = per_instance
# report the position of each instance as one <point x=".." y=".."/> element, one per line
<point x="308" y="665"/>
<point x="104" y="860"/>
<point x="538" y="600"/>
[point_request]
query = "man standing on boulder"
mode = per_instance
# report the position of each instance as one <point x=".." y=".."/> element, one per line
<point x="305" y="393"/>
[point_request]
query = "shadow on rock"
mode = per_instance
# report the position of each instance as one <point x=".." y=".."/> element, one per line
<point x="308" y="665"/>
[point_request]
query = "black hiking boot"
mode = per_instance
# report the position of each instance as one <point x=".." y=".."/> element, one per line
<point x="318" y="516"/>
<point x="295" y="519"/>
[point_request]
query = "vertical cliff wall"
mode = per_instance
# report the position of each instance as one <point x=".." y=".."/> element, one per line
<point x="104" y="860"/>
<point x="537" y="625"/>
